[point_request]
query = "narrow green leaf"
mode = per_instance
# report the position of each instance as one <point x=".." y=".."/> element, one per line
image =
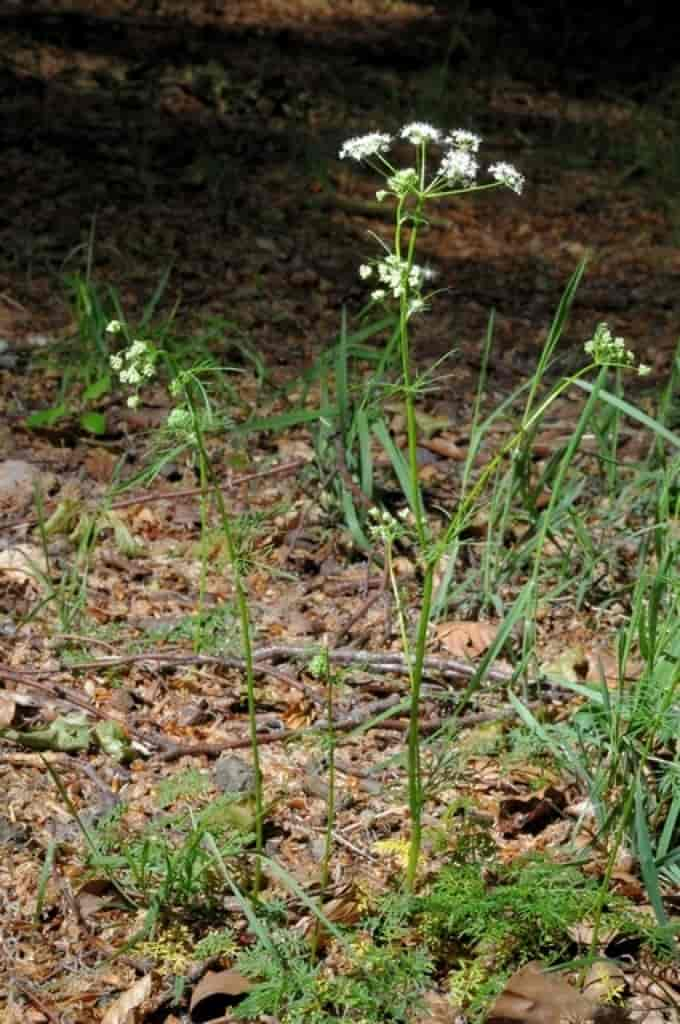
<point x="311" y="904"/>
<point x="284" y="420"/>
<point x="399" y="463"/>
<point x="648" y="868"/>
<point x="366" y="456"/>
<point x="634" y="413"/>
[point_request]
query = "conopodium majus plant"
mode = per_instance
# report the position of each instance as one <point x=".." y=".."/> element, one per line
<point x="397" y="278"/>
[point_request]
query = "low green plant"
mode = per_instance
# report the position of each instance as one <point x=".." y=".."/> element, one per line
<point x="82" y="359"/>
<point x="488" y="920"/>
<point x="166" y="867"/>
<point x="375" y="976"/>
<point x="621" y="744"/>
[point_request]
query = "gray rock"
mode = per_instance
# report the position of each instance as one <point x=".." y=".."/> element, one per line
<point x="232" y="775"/>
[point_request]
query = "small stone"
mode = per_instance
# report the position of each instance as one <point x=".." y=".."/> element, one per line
<point x="232" y="775"/>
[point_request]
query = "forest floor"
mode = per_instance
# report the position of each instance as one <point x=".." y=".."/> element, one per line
<point x="199" y="162"/>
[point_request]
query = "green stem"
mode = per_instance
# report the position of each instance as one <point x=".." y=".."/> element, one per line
<point x="246" y="639"/>
<point x="203" y="581"/>
<point x="415" y="781"/>
<point x="330" y="804"/>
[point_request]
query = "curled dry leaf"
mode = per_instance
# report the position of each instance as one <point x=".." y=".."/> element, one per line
<point x="122" y="1011"/>
<point x="215" y="992"/>
<point x="464" y="639"/>
<point x="535" y="997"/>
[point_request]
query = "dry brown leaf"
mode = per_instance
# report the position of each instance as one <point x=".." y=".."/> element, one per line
<point x="604" y="981"/>
<point x="531" y="814"/>
<point x="215" y="992"/>
<point x="534" y="997"/>
<point x="571" y="664"/>
<point x="100" y="464"/>
<point x="445" y="447"/>
<point x="21" y="563"/>
<point x="122" y="1011"/>
<point x="436" y="1009"/>
<point x="8" y="708"/>
<point x="464" y="639"/>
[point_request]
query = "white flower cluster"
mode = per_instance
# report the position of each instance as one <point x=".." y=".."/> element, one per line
<point x="418" y="132"/>
<point x="605" y="350"/>
<point x="363" y="146"/>
<point x="134" y="365"/>
<point x="467" y="141"/>
<point x="507" y="175"/>
<point x="458" y="167"/>
<point x="398" y="279"/>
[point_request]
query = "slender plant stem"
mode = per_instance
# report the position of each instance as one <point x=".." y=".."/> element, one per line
<point x="330" y="803"/>
<point x="246" y="637"/>
<point x="415" y="782"/>
<point x="203" y="581"/>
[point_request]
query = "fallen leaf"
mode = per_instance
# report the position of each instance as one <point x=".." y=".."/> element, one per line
<point x="531" y="815"/>
<point x="8" y="708"/>
<point x="435" y="1009"/>
<point x="534" y="997"/>
<point x="571" y="664"/>
<point x="465" y="639"/>
<point x="122" y="1011"/>
<point x="604" y="982"/>
<point x="215" y="992"/>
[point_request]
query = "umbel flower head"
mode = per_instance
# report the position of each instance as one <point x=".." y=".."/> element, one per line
<point x="606" y="350"/>
<point x="458" y="167"/>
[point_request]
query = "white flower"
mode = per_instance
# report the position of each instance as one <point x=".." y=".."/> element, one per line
<point x="391" y="272"/>
<point x="643" y="370"/>
<point x="378" y="295"/>
<point x="116" y="362"/>
<point x="136" y="350"/>
<point x="131" y="376"/>
<point x="381" y="194"/>
<point x="416" y="276"/>
<point x="458" y="167"/>
<point x="508" y="175"/>
<point x="365" y="271"/>
<point x="416" y="305"/>
<point x="133" y="401"/>
<point x="114" y="327"/>
<point x="467" y="141"/>
<point x="429" y="273"/>
<point x="363" y="146"/>
<point x="418" y="132"/>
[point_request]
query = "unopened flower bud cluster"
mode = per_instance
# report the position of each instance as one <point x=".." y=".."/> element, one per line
<point x="607" y="350"/>
<point x="134" y="365"/>
<point x="181" y="423"/>
<point x="385" y="527"/>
